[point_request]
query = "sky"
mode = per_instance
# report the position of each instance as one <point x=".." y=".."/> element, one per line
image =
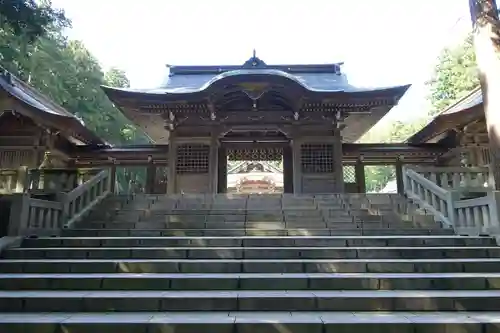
<point x="381" y="42"/>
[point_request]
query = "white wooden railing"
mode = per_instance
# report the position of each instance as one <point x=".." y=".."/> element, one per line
<point x="43" y="180"/>
<point x="37" y="216"/>
<point x="454" y="177"/>
<point x="454" y="207"/>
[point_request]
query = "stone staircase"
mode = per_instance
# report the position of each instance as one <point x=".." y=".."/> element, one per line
<point x="252" y="264"/>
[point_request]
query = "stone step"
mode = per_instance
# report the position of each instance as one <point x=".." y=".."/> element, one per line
<point x="249" y="241"/>
<point x="250" y="232"/>
<point x="250" y="265"/>
<point x="256" y="225"/>
<point x="248" y="281"/>
<point x="249" y="300"/>
<point x="253" y="253"/>
<point x="252" y="322"/>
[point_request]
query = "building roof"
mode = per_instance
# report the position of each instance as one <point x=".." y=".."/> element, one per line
<point x="44" y="111"/>
<point x="194" y="92"/>
<point x="322" y="77"/>
<point x="462" y="112"/>
<point x="241" y="165"/>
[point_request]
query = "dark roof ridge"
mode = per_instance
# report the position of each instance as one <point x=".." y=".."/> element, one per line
<point x="333" y="68"/>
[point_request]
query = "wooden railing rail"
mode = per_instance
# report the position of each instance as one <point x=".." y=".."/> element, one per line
<point x="43" y="180"/>
<point x="428" y="195"/>
<point x="469" y="216"/>
<point x="83" y="198"/>
<point x="36" y="216"/>
<point x="454" y="177"/>
<point x="478" y="215"/>
<point x="13" y="180"/>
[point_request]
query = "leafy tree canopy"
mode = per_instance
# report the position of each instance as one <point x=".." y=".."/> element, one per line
<point x="116" y="77"/>
<point x="31" y="18"/>
<point x="455" y="75"/>
<point x="70" y="75"/>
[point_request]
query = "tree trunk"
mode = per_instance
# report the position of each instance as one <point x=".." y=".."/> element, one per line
<point x="484" y="15"/>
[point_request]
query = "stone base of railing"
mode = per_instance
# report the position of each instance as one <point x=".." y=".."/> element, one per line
<point x="469" y="231"/>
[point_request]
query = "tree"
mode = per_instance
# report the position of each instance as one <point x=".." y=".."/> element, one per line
<point x="30" y="18"/>
<point x="70" y="75"/>
<point x="455" y="75"/>
<point x="486" y="26"/>
<point x="116" y="77"/>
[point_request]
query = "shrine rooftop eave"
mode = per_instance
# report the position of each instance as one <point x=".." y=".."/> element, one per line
<point x="249" y="80"/>
<point x="463" y="112"/>
<point x="44" y="111"/>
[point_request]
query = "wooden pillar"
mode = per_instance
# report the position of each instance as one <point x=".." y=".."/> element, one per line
<point x="359" y="169"/>
<point x="297" y="166"/>
<point x="485" y="22"/>
<point x="288" y="169"/>
<point x="222" y="170"/>
<point x="213" y="165"/>
<point x="338" y="165"/>
<point x="150" y="176"/>
<point x="399" y="176"/>
<point x="172" y="164"/>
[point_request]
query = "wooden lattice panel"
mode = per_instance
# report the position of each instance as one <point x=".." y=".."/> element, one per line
<point x="16" y="158"/>
<point x="192" y="158"/>
<point x="349" y="174"/>
<point x="255" y="154"/>
<point x="317" y="158"/>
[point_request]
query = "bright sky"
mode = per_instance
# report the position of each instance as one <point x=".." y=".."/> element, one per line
<point x="382" y="42"/>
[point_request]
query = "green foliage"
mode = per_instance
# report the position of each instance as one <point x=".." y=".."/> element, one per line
<point x="31" y="18"/>
<point x="70" y="75"/>
<point x="116" y="77"/>
<point x="377" y="177"/>
<point x="394" y="132"/>
<point x="455" y="75"/>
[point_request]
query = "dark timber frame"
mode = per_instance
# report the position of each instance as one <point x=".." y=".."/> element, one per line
<point x="305" y="114"/>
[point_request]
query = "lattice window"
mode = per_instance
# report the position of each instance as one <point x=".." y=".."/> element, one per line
<point x="16" y="158"/>
<point x="192" y="158"/>
<point x="349" y="174"/>
<point x="317" y="158"/>
<point x="255" y="154"/>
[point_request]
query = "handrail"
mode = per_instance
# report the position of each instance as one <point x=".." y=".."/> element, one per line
<point x="31" y="215"/>
<point x="478" y="215"/>
<point x="453" y="177"/>
<point x="466" y="216"/>
<point x="428" y="195"/>
<point x="13" y="180"/>
<point x="83" y="198"/>
<point x="24" y="180"/>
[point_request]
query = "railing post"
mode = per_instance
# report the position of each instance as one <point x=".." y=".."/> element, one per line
<point x="494" y="227"/>
<point x="451" y="198"/>
<point x="112" y="178"/>
<point x="19" y="213"/>
<point x="399" y="176"/>
<point x="63" y="199"/>
<point x="405" y="179"/>
<point x="22" y="182"/>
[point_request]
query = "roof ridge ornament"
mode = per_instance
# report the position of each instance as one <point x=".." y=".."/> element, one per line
<point x="254" y="62"/>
